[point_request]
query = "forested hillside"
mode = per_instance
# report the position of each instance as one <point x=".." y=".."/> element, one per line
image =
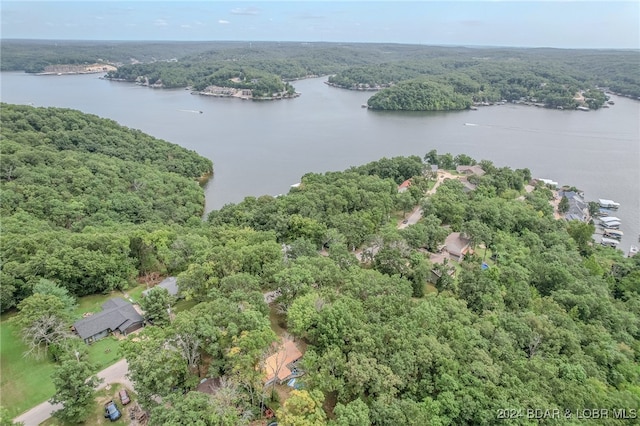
<point x="534" y="317"/>
<point x="71" y="184"/>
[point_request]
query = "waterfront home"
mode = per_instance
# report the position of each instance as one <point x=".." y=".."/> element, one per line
<point x="470" y="170"/>
<point x="578" y="207"/>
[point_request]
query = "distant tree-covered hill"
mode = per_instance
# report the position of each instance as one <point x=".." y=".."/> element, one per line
<point x="546" y="76"/>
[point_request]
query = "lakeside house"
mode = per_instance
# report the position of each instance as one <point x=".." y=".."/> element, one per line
<point x="474" y="170"/>
<point x="281" y="366"/>
<point x="578" y="207"/>
<point x="117" y="316"/>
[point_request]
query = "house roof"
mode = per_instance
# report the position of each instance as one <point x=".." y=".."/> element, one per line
<point x="474" y="170"/>
<point x="277" y="364"/>
<point x="455" y="243"/>
<point x="117" y="314"/>
<point x="169" y="283"/>
<point x="405" y="184"/>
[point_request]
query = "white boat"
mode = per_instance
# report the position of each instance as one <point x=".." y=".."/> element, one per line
<point x="611" y="225"/>
<point x="613" y="233"/>
<point x="608" y="204"/>
<point x="633" y="250"/>
<point x="607" y="219"/>
<point x="609" y="242"/>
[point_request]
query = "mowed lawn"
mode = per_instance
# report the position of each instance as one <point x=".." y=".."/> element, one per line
<point x="26" y="382"/>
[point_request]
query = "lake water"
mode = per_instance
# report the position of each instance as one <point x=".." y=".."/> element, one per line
<point x="265" y="147"/>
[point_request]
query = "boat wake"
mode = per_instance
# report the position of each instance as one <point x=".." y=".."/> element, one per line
<point x="470" y="124"/>
<point x="190" y="110"/>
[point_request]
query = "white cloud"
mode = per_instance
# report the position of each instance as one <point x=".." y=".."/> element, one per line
<point x="160" y="23"/>
<point x="185" y="26"/>
<point x="223" y="22"/>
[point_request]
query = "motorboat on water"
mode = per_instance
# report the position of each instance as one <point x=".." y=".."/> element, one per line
<point x="608" y="204"/>
<point x="613" y="233"/>
<point x="609" y="242"/>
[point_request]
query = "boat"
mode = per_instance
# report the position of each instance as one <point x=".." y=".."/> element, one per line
<point x="607" y="219"/>
<point x="613" y="233"/>
<point x="608" y="204"/>
<point x="611" y="225"/>
<point x="609" y="242"/>
<point x="633" y="250"/>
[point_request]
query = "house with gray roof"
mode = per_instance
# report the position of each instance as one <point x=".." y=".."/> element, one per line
<point x="470" y="170"/>
<point x="578" y="207"/>
<point x="117" y="316"/>
<point x="169" y="283"/>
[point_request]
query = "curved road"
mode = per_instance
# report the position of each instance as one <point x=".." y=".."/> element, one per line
<point x="117" y="373"/>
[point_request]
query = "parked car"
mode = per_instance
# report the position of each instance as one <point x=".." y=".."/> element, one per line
<point x="111" y="411"/>
<point x="124" y="397"/>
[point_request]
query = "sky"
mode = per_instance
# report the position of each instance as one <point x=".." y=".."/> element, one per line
<point x="561" y="24"/>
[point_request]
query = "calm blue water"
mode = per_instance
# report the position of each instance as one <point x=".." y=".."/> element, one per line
<point x="264" y="147"/>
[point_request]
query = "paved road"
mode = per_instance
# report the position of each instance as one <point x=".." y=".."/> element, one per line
<point x="113" y="374"/>
<point x="413" y="218"/>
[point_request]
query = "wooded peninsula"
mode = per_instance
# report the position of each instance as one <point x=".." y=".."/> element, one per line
<point x="407" y="77"/>
<point x="523" y="313"/>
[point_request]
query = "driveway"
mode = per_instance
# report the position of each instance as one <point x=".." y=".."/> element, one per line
<point x="413" y="218"/>
<point x="115" y="373"/>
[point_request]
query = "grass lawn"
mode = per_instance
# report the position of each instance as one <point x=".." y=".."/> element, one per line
<point x="24" y="382"/>
<point x="135" y="293"/>
<point x="104" y="353"/>
<point x="184" y="305"/>
<point x="92" y="303"/>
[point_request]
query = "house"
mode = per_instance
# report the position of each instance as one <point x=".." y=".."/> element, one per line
<point x="436" y="274"/>
<point x="578" y="208"/>
<point x="457" y="246"/>
<point x="117" y="316"/>
<point x="470" y="170"/>
<point x="170" y="284"/>
<point x="467" y="186"/>
<point x="281" y="366"/>
<point x="404" y="185"/>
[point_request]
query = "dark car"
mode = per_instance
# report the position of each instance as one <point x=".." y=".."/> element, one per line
<point x="124" y="397"/>
<point x="111" y="411"/>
